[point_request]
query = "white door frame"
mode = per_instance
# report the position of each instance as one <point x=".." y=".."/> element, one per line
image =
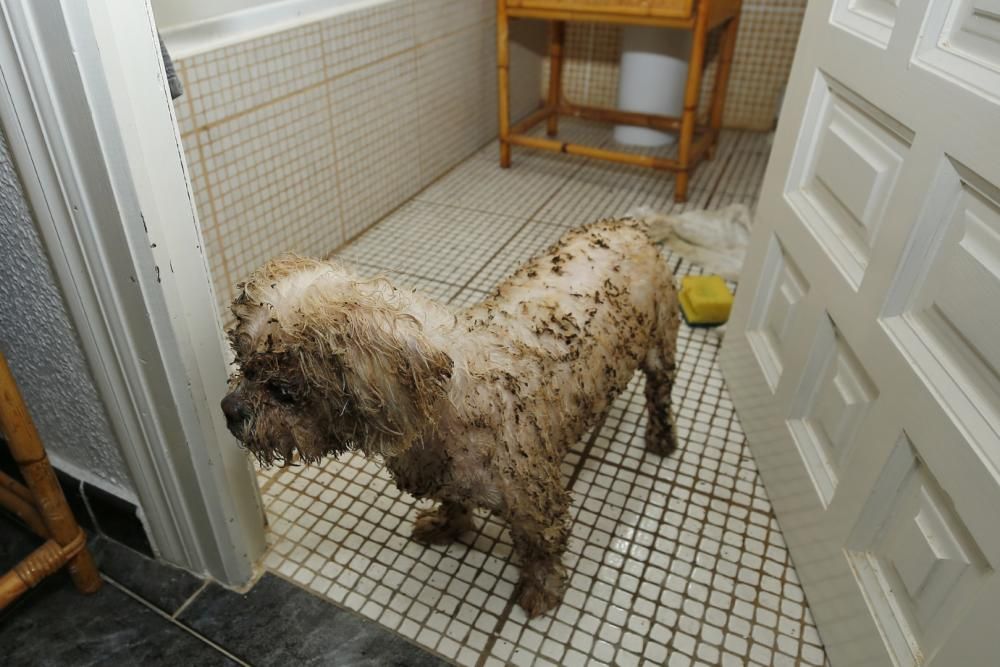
<point x="84" y="102"/>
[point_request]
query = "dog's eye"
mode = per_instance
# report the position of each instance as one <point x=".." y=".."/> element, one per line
<point x="281" y="392"/>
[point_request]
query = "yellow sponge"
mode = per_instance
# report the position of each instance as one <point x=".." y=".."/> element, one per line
<point x="705" y="300"/>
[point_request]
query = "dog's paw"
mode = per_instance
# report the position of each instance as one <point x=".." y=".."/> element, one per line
<point x="437" y="526"/>
<point x="541" y="591"/>
<point x="661" y="441"/>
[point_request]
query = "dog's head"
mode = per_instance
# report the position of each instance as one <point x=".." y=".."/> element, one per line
<point x="328" y="363"/>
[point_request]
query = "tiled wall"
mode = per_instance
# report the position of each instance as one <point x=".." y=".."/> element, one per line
<point x="300" y="140"/>
<point x="765" y="45"/>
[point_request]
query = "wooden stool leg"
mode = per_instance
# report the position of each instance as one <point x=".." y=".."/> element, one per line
<point x="726" y="50"/>
<point x="503" y="72"/>
<point x="681" y="186"/>
<point x="692" y="93"/>
<point x="557" y="40"/>
<point x="28" y="452"/>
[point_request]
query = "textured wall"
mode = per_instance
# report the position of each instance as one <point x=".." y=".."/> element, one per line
<point x="42" y="348"/>
<point x="765" y="45"/>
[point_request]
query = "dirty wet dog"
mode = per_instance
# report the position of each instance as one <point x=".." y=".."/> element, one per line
<point x="472" y="408"/>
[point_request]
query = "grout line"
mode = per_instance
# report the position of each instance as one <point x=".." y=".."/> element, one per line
<point x="527" y="221"/>
<point x="328" y="95"/>
<point x="421" y="158"/>
<point x="348" y="242"/>
<point x="263" y="488"/>
<point x="496" y="253"/>
<point x="405" y="274"/>
<point x="718" y="181"/>
<point x="492" y="640"/>
<point x="468" y="209"/>
<point x="187" y="603"/>
<point x="175" y="622"/>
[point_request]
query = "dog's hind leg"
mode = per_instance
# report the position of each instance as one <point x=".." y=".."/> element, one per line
<point x="442" y="524"/>
<point x="661" y="435"/>
<point x="660" y="368"/>
<point x="540" y="527"/>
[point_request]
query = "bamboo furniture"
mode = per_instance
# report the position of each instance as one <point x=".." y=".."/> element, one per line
<point x="39" y="503"/>
<point x="695" y="142"/>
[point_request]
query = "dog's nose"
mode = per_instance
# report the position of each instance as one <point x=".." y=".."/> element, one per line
<point x="237" y="412"/>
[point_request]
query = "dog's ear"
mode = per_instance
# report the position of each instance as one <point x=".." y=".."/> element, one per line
<point x="430" y="367"/>
<point x="242" y="307"/>
<point x="401" y="376"/>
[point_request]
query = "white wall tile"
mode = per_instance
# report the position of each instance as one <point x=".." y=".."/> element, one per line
<point x="436" y="18"/>
<point x="375" y="128"/>
<point x="457" y="99"/>
<point x="367" y="35"/>
<point x="270" y="180"/>
<point x="236" y="78"/>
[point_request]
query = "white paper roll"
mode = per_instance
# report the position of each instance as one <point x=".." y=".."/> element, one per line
<point x="651" y="79"/>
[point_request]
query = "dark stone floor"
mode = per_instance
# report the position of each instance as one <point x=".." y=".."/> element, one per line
<point x="149" y="613"/>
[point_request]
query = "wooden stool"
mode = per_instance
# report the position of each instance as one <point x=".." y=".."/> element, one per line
<point x="41" y="505"/>
<point x="695" y="142"/>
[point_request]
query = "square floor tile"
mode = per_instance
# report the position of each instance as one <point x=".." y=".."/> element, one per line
<point x="530" y="240"/>
<point x="479" y="184"/>
<point x="433" y="241"/>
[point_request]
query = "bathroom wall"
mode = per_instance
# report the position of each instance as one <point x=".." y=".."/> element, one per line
<point x="43" y="350"/>
<point x="765" y="45"/>
<point x="301" y="140"/>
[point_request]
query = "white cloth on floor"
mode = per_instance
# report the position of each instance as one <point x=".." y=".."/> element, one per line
<point x="715" y="240"/>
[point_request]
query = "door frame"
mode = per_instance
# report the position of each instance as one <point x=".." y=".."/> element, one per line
<point x="91" y="127"/>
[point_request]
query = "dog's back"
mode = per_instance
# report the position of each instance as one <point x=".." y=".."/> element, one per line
<point x="576" y="322"/>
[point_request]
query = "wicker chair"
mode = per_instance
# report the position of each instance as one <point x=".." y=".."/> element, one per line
<point x="40" y="504"/>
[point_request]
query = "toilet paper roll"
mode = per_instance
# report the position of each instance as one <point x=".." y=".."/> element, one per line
<point x="652" y="76"/>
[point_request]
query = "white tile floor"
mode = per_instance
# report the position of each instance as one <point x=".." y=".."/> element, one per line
<point x="673" y="561"/>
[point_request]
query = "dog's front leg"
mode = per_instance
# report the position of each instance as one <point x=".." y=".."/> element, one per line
<point x="442" y="524"/>
<point x="540" y="528"/>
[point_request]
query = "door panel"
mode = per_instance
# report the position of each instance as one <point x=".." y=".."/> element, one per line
<point x="847" y="160"/>
<point x="863" y="354"/>
<point x="917" y="565"/>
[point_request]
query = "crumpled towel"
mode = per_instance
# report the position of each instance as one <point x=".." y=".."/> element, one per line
<point x="715" y="240"/>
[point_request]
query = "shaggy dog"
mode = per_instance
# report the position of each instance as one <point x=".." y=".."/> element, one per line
<point x="473" y="409"/>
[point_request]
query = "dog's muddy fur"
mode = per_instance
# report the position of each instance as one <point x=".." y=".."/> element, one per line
<point x="474" y="408"/>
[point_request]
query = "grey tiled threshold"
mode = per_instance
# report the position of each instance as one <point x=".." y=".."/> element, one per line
<point x="149" y="613"/>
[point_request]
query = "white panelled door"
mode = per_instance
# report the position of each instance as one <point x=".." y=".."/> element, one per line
<point x="863" y="355"/>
